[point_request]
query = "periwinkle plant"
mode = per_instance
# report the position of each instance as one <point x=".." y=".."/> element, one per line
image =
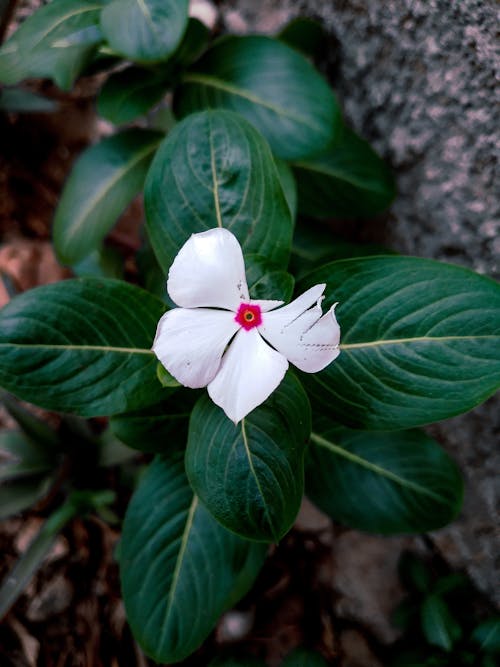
<point x="257" y="142"/>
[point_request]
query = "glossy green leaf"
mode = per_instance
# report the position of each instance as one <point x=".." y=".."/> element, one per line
<point x="302" y="657"/>
<point x="36" y="429"/>
<point x="20" y="494"/>
<point x="104" y="262"/>
<point x="134" y="91"/>
<point x="488" y="661"/>
<point x="215" y="169"/>
<point x="16" y="580"/>
<point x="420" y="341"/>
<point x="349" y="180"/>
<point x="250" y="475"/>
<point x="79" y="502"/>
<point x="314" y="245"/>
<point x="145" y="30"/>
<point x="57" y="41"/>
<point x="151" y="275"/>
<point x="267" y="282"/>
<point x="487" y="635"/>
<point x="288" y="184"/>
<point x="158" y="427"/>
<point x="413" y="572"/>
<point x="21" y="457"/>
<point x="306" y="35"/>
<point x="112" y="452"/>
<point x="438" y="625"/>
<point x="130" y="93"/>
<point x="81" y="346"/>
<point x="454" y="583"/>
<point x="272" y="85"/>
<point x="389" y="483"/>
<point x="104" y="180"/>
<point x="193" y="44"/>
<point x="19" y="100"/>
<point x="164" y="377"/>
<point x="178" y="565"/>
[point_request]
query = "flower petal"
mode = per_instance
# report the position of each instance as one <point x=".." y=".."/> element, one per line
<point x="209" y="271"/>
<point x="291" y="311"/>
<point x="266" y="304"/>
<point x="190" y="343"/>
<point x="249" y="373"/>
<point x="309" y="340"/>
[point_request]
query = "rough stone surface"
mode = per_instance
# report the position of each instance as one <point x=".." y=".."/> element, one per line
<point x="366" y="580"/>
<point x="418" y="80"/>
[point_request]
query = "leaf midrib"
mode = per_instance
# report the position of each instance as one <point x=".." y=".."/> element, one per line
<point x="60" y="20"/>
<point x="80" y="348"/>
<point x="178" y="563"/>
<point x="340" y="175"/>
<point x="147" y="14"/>
<point x="217" y="83"/>
<point x="134" y="350"/>
<point x="418" y="339"/>
<point x="215" y="181"/>
<point x="373" y="467"/>
<point x="255" y="476"/>
<point x="87" y="210"/>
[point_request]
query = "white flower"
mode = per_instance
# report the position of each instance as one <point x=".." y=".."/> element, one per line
<point x="217" y="337"/>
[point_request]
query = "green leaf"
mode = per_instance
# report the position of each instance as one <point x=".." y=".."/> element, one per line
<point x="112" y="452"/>
<point x="314" y="245"/>
<point x="302" y="657"/>
<point x="15" y="582"/>
<point x="164" y="377"/>
<point x="81" y="346"/>
<point x="215" y="169"/>
<point x="267" y="282"/>
<point x="57" y="41"/>
<point x="105" y="178"/>
<point x="145" y="30"/>
<point x="20" y="494"/>
<point x="306" y="35"/>
<point x="420" y="341"/>
<point x="413" y="572"/>
<point x="151" y="276"/>
<point x="20" y="457"/>
<point x="488" y="661"/>
<point x="194" y="42"/>
<point x="403" y="617"/>
<point x="272" y="85"/>
<point x="103" y="262"/>
<point x="19" y="100"/>
<point x="454" y="583"/>
<point x="250" y="475"/>
<point x="487" y="635"/>
<point x="389" y="483"/>
<point x="178" y="565"/>
<point x="158" y="427"/>
<point x="288" y="184"/>
<point x="37" y="430"/>
<point x="438" y="625"/>
<point x="79" y="502"/>
<point x="349" y="180"/>
<point x="130" y="93"/>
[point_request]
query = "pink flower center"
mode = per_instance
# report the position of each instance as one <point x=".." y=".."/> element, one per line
<point x="248" y="316"/>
